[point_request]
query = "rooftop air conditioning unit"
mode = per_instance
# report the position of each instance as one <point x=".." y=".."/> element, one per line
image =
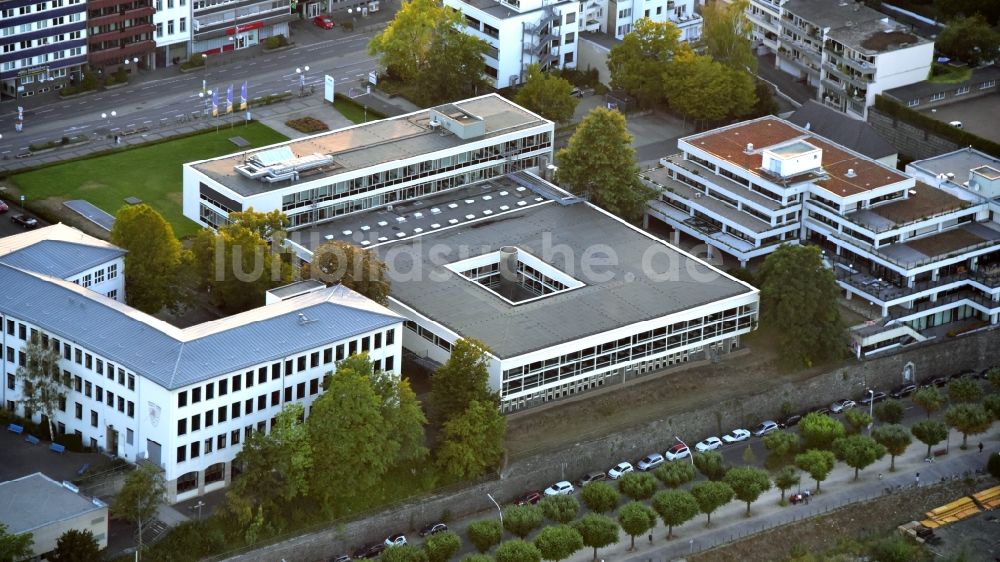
<point x="434" y="124"/>
<point x="950" y="175"/>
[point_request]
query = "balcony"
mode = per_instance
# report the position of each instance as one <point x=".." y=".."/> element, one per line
<point x="103" y="4"/>
<point x="136" y="13"/>
<point x="112" y="55"/>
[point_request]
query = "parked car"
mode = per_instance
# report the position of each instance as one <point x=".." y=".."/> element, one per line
<point x="396" y="540"/>
<point x="576" y="92"/>
<point x="619" y="470"/>
<point x="3" y="206"/>
<point x="433" y="529"/>
<point x="935" y="381"/>
<point x="708" y="444"/>
<point x="903" y="390"/>
<point x="25" y="221"/>
<point x="562" y="488"/>
<point x="369" y="551"/>
<point x="877" y="397"/>
<point x="736" y="435"/>
<point x="841" y="405"/>
<point x="340" y="558"/>
<point x="650" y="461"/>
<point x="956" y="124"/>
<point x="800" y="497"/>
<point x="323" y="22"/>
<point x="821" y="411"/>
<point x="592" y="477"/>
<point x="529" y="498"/>
<point x="966" y="374"/>
<point x="765" y="427"/>
<point x="790" y="421"/>
<point x="678" y="451"/>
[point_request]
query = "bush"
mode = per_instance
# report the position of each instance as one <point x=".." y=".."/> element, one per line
<point x="72" y="442"/>
<point x="196" y="60"/>
<point x="894" y="549"/>
<point x="275" y="42"/>
<point x="307" y="125"/>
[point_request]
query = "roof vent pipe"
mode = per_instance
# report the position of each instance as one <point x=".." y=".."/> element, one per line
<point x="749" y="148"/>
<point x="508" y="263"/>
<point x="850" y="173"/>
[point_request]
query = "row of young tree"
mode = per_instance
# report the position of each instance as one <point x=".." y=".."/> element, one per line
<point x="71" y="546"/>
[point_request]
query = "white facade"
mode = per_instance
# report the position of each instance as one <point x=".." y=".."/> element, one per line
<point x="42" y="45"/>
<point x="173" y="30"/>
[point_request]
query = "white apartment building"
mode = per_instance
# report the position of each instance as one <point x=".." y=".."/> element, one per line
<point x="850" y="53"/>
<point x="173" y="31"/>
<point x="925" y="255"/>
<point x="43" y="45"/>
<point x="182" y="399"/>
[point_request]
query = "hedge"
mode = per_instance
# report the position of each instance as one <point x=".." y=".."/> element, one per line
<point x="917" y="119"/>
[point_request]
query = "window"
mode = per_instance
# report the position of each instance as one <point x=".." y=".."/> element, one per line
<point x="129" y="436"/>
<point x="99" y="394"/>
<point x="111" y="399"/>
<point x="352" y="348"/>
<point x="223" y="387"/>
<point x="314" y="359"/>
<point x="937" y="97"/>
<point x="365" y="344"/>
<point x="181" y="453"/>
<point x="913" y="103"/>
<point x="220" y="441"/>
<point x="313" y="387"/>
<point x="77" y="383"/>
<point x="78" y="358"/>
<point x="87" y="389"/>
<point x="93" y="418"/>
<point x="340" y="351"/>
<point x="131" y="409"/>
<point x="261" y="376"/>
<point x="121" y="376"/>
<point x="390" y="337"/>
<point x="262" y="401"/>
<point x="234" y="410"/>
<point x="570" y="38"/>
<point x="182" y="25"/>
<point x="327" y="356"/>
<point x="288" y="394"/>
<point x="195" y="449"/>
<point x="121" y="404"/>
<point x="300" y="390"/>
<point x="99" y="367"/>
<point x="301" y="364"/>
<point x="389" y="363"/>
<point x="378" y="339"/>
<point x="182" y="399"/>
<point x="571" y="17"/>
<point x="209" y="391"/>
<point x="131" y="382"/>
<point x="209" y="418"/>
<point x="170" y="31"/>
<point x="962" y="90"/>
<point x="275" y="398"/>
<point x="62" y="403"/>
<point x="78" y="411"/>
<point x="288" y="368"/>
<point x="195" y="395"/>
<point x="159" y="27"/>
<point x="248" y="406"/>
<point x="568" y="58"/>
<point x="234" y="437"/>
<point x="237" y="383"/>
<point x="182" y="426"/>
<point x="208" y="445"/>
<point x="222" y="414"/>
<point x="275" y="370"/>
<point x="196" y="422"/>
<point x="10" y="381"/>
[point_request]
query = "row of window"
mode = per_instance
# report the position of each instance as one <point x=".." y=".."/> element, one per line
<point x="42" y="41"/>
<point x="428" y="335"/>
<point x="99" y="276"/>
<point x="961" y="90"/>
<point x="125" y="407"/>
<point x="181" y="27"/>
<point x="42" y="59"/>
<point x="170" y="4"/>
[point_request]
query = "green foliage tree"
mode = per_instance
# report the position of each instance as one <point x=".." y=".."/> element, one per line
<point x="599" y="163"/>
<point x="478" y="557"/>
<point x="638" y="485"/>
<point x="600" y="497"/>
<point x="711" y="496"/>
<point x="558" y="542"/>
<point x="635" y="519"/>
<point x="858" y="451"/>
<point x="890" y="411"/>
<point x="140" y="497"/>
<point x="442" y="546"/>
<point x="857" y="420"/>
<point x="964" y="390"/>
<point x="949" y="9"/>
<point x="15" y="547"/>
<point x="711" y="465"/>
<point x="675" y="507"/>
<point x="766" y="104"/>
<point x="517" y="551"/>
<point x="930" y="433"/>
<point x="781" y="447"/>
<point x="968" y="39"/>
<point x="785" y="479"/>
<point x="992" y="405"/>
<point x="561" y="509"/>
<point x="895" y="438"/>
<point x="153" y="257"/>
<point x="799" y="302"/>
<point x="968" y="419"/>
<point x="484" y="534"/>
<point x="401" y="410"/>
<point x="929" y="399"/>
<point x="547" y="94"/>
<point x="817" y="463"/>
<point x="354" y="267"/>
<point x="705" y="90"/>
<point x="725" y="33"/>
<point x="993" y="375"/>
<point x="43" y="386"/>
<point x="75" y="546"/>
<point x="638" y="63"/>
<point x="819" y="431"/>
<point x="598" y="531"/>
<point x="675" y="474"/>
<point x="472" y="442"/>
<point x="521" y="520"/>
<point x="404" y="553"/>
<point x="267" y="225"/>
<point x="456" y="67"/>
<point x="748" y="483"/>
<point x="462" y="379"/>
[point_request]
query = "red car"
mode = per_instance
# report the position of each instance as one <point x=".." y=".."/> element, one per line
<point x="530" y="498"/>
<point x="323" y="21"/>
<point x="3" y="206"/>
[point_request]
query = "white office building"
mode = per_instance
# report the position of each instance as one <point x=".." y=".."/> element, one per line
<point x="173" y="31"/>
<point x="43" y="45"/>
<point x="182" y="399"/>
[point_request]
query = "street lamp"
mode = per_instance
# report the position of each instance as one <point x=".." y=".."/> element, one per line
<point x="498" y="507"/>
<point x="204" y="59"/>
<point x="134" y="61"/>
<point x="690" y="454"/>
<point x="109" y="116"/>
<point x="301" y="71"/>
<point x="871" y="409"/>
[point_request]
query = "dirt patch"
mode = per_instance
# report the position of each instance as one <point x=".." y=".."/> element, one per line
<point x="92" y="186"/>
<point x="856" y="521"/>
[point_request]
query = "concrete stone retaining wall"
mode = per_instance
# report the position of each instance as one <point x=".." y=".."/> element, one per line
<point x="974" y="351"/>
<point x="913" y="142"/>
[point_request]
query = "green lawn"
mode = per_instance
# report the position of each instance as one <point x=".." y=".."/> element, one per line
<point x="942" y="74"/>
<point x="355" y="111"/>
<point x="151" y="173"/>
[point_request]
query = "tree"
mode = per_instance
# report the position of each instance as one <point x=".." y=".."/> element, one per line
<point x="456" y="68"/>
<point x="75" y="546"/>
<point x="267" y="225"/>
<point x="477" y="557"/>
<point x="637" y="64"/>
<point x="856" y="421"/>
<point x="558" y="542"/>
<point x="548" y="95"/>
<point x="705" y="90"/>
<point x="766" y="104"/>
<point x="484" y="534"/>
<point x="674" y="474"/>
<point x="748" y="483"/>
<point x="858" y="451"/>
<point x="964" y="390"/>
<point x="817" y="463"/>
<point x="404" y="553"/>
<point x="636" y="519"/>
<point x="781" y="447"/>
<point x="711" y="496"/>
<point x="725" y="33"/>
<point x="599" y="164"/>
<point x="153" y="257"/>
<point x="890" y="411"/>
<point x="930" y="433"/>
<point x="799" y="302"/>
<point x="968" y="419"/>
<point x="517" y="551"/>
<point x="600" y="497"/>
<point x="785" y="479"/>
<point x="819" y="430"/>
<point x="43" y="386"/>
<point x="929" y="399"/>
<point x="442" y="546"/>
<point x="948" y="9"/>
<point x="464" y="378"/>
<point x="637" y="485"/>
<point x="561" y="509"/>
<point x="473" y="442"/>
<point x="521" y="520"/>
<point x="401" y="410"/>
<point x="15" y="547"/>
<point x="354" y="267"/>
<point x="895" y="438"/>
<point x="675" y="507"/>
<point x="140" y="497"/>
<point x="710" y="464"/>
<point x="597" y="531"/>
<point x="992" y="405"/>
<point x="968" y="39"/>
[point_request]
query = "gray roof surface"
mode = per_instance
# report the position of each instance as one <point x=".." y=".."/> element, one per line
<point x="849" y="22"/>
<point x="174" y="358"/>
<point x="59" y="258"/>
<point x="852" y="133"/>
<point x="36" y="500"/>
<point x="958" y="162"/>
<point x="630" y="295"/>
<point x="925" y="89"/>
<point x="503" y="11"/>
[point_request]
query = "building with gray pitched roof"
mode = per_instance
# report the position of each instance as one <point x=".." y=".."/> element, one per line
<point x="852" y="133"/>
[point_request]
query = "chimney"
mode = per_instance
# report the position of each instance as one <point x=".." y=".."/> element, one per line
<point x="850" y="173"/>
<point x="749" y="148"/>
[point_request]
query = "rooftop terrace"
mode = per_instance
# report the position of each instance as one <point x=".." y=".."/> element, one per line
<point x="923" y="202"/>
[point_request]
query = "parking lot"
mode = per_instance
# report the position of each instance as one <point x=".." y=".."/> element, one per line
<point x="980" y="116"/>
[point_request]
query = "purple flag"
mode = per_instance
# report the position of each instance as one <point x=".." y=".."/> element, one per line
<point x="243" y="96"/>
<point x="215" y="103"/>
<point x="229" y="99"/>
